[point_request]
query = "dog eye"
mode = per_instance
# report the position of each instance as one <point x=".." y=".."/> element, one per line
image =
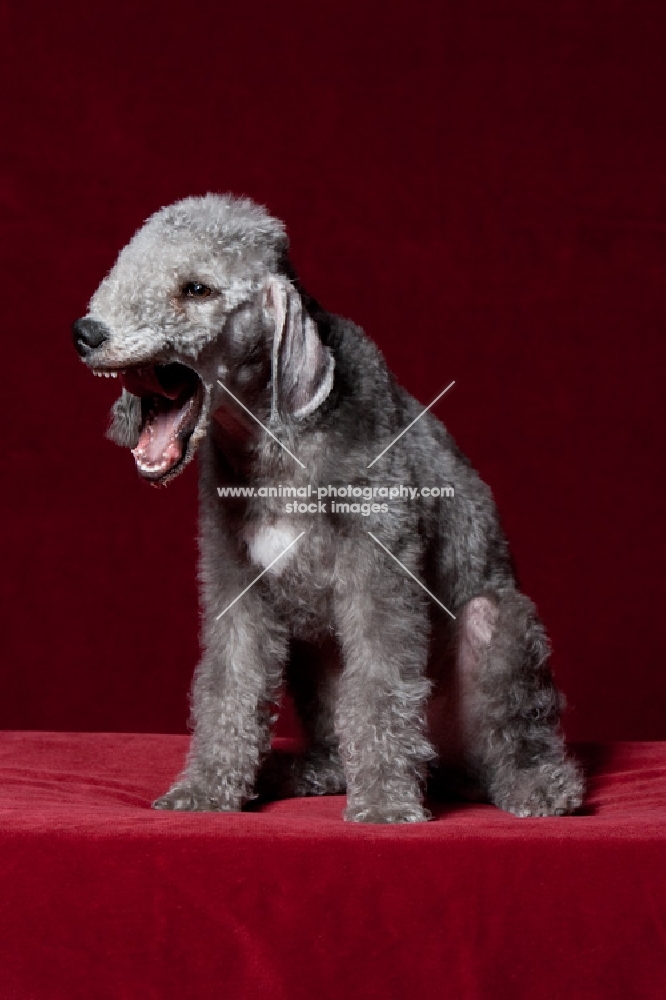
<point x="195" y="290"/>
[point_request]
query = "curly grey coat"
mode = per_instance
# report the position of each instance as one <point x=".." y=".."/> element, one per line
<point x="221" y="351"/>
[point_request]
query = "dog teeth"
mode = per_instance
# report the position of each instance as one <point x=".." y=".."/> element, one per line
<point x="106" y="374"/>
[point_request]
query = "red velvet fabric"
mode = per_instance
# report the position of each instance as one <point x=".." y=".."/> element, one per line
<point x="479" y="184"/>
<point x="102" y="897"/>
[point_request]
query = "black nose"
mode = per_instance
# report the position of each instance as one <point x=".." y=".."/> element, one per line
<point x="88" y="334"/>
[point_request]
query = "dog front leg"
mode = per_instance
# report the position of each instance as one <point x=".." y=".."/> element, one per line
<point x="233" y="701"/>
<point x="380" y="716"/>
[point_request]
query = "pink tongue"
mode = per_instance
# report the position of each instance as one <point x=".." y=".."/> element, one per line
<point x="158" y="443"/>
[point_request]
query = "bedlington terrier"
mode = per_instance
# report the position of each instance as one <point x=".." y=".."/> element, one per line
<point x="395" y="622"/>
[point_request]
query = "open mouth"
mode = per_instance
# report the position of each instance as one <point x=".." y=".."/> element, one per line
<point x="171" y="401"/>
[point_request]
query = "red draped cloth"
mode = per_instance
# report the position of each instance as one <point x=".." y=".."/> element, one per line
<point x="101" y="897"/>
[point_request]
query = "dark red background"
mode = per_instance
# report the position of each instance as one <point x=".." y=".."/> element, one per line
<point x="480" y="185"/>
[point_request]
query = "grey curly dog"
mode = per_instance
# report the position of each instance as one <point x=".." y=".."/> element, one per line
<point x="397" y="626"/>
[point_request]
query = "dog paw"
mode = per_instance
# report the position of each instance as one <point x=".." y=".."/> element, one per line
<point x="387" y="814"/>
<point x="320" y="773"/>
<point x="193" y="798"/>
<point x="288" y="775"/>
<point x="549" y="790"/>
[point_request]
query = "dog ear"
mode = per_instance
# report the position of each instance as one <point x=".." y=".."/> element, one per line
<point x="125" y="420"/>
<point x="302" y="367"/>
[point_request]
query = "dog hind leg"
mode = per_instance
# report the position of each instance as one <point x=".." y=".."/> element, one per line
<point x="512" y="709"/>
<point x="312" y="680"/>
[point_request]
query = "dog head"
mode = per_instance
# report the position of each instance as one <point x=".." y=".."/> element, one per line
<point x="200" y="316"/>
